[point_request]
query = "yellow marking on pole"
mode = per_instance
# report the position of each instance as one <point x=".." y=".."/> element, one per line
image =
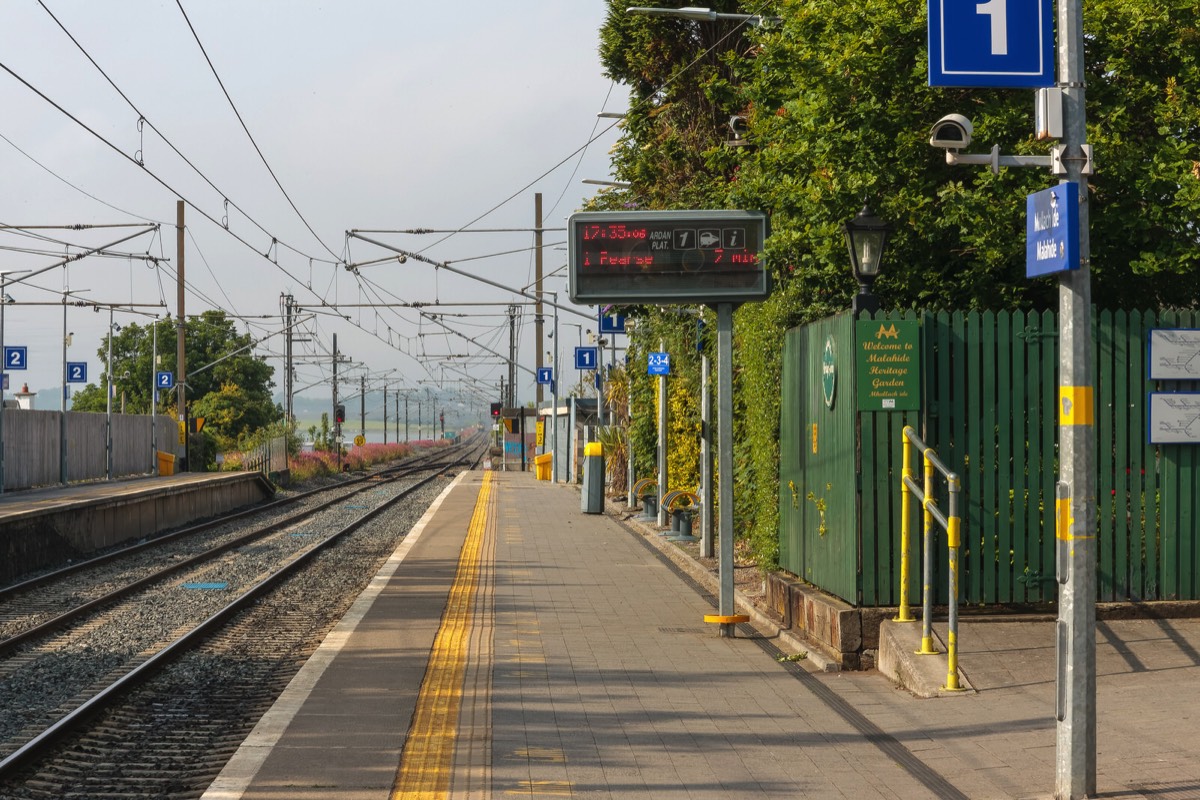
<point x="954" y="532"/>
<point x="1075" y="405"/>
<point x="726" y="619"/>
<point x="428" y="758"/>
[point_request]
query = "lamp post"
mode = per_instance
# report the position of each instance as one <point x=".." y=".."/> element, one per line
<point x="701" y="14"/>
<point x="866" y="239"/>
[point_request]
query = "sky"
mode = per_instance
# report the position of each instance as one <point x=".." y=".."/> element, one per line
<point x="372" y="115"/>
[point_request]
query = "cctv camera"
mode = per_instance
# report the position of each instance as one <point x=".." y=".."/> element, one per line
<point x="740" y="126"/>
<point x="952" y="132"/>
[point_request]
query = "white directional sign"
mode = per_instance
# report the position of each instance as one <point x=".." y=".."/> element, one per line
<point x="1003" y="43"/>
<point x="1174" y="418"/>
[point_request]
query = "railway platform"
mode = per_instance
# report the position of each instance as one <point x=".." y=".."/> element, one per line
<point x="515" y="647"/>
<point x="41" y="527"/>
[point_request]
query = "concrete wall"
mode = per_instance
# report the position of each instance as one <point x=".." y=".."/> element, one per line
<point x="44" y="537"/>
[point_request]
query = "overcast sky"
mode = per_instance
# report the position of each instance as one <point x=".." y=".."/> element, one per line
<point x="372" y="115"/>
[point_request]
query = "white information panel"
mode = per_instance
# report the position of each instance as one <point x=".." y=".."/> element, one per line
<point x="1174" y="354"/>
<point x="1174" y="418"/>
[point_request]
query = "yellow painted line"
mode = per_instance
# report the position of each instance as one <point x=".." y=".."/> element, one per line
<point x="542" y="789"/>
<point x="426" y="765"/>
<point x="550" y="754"/>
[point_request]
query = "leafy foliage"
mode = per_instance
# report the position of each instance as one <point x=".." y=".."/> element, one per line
<point x="839" y="112"/>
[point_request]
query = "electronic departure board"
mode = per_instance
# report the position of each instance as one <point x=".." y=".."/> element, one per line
<point x="667" y="257"/>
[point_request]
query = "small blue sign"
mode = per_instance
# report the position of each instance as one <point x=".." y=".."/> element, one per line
<point x="545" y="375"/>
<point x="1052" y="230"/>
<point x="76" y="372"/>
<point x="164" y="380"/>
<point x="16" y="357"/>
<point x="586" y="357"/>
<point x="999" y="43"/>
<point x="658" y="364"/>
<point x="612" y="323"/>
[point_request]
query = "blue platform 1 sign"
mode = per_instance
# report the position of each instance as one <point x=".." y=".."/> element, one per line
<point x="164" y="380"/>
<point x="658" y="364"/>
<point x="1000" y="43"/>
<point x="586" y="357"/>
<point x="612" y="323"/>
<point x="76" y="372"/>
<point x="1052" y="230"/>
<point x="16" y="357"/>
<point x="545" y="376"/>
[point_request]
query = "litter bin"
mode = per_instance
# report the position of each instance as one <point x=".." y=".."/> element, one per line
<point x="542" y="465"/>
<point x="681" y="522"/>
<point x="166" y="463"/>
<point x="591" y="499"/>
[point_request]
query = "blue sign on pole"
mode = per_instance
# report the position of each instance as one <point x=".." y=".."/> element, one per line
<point x="586" y="357"/>
<point x="1002" y="43"/>
<point x="1052" y="230"/>
<point x="612" y="323"/>
<point x="545" y="375"/>
<point x="76" y="372"/>
<point x="164" y="380"/>
<point x="658" y="364"/>
<point x="16" y="357"/>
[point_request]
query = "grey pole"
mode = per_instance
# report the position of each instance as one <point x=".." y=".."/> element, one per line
<point x="1075" y="774"/>
<point x="62" y="414"/>
<point x="663" y="476"/>
<point x="706" y="461"/>
<point x="554" y="394"/>
<point x="108" y="460"/>
<point x="725" y="461"/>
<point x="153" y="396"/>
<point x="3" y="302"/>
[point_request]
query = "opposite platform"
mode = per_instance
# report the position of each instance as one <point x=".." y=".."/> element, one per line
<point x="569" y="659"/>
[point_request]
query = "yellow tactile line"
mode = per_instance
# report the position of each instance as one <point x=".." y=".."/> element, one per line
<point x="426" y="763"/>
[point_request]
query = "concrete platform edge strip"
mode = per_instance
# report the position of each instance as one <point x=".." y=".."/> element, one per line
<point x="239" y="772"/>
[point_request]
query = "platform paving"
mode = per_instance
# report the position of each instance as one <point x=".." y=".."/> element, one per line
<point x="593" y="675"/>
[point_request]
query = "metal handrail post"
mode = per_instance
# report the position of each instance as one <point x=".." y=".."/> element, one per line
<point x="906" y="475"/>
<point x="953" y="542"/>
<point x="927" y="647"/>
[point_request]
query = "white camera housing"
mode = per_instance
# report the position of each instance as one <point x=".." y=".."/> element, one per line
<point x="951" y="132"/>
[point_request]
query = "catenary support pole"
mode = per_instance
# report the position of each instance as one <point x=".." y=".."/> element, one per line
<point x="180" y="335"/>
<point x="1075" y="773"/>
<point x="706" y="460"/>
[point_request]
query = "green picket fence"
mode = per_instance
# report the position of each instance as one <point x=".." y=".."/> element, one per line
<point x="989" y="390"/>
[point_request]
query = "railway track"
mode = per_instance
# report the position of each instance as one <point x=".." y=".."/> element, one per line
<point x="147" y="693"/>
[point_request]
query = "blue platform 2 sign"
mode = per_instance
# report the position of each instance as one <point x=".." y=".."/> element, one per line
<point x="1000" y="43"/>
<point x="658" y="364"/>
<point x="16" y="357"/>
<point x="76" y="372"/>
<point x="612" y="323"/>
<point x="545" y="375"/>
<point x="164" y="380"/>
<point x="586" y="357"/>
<point x="1052" y="230"/>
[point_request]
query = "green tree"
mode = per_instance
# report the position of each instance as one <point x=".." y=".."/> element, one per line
<point x="839" y="113"/>
<point x="220" y="362"/>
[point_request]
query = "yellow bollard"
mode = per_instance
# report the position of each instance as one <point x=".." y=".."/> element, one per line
<point x="905" y="614"/>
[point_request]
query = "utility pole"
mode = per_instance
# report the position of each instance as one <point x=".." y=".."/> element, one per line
<point x="180" y="330"/>
<point x="512" y="355"/>
<point x="397" y="416"/>
<point x="362" y="406"/>
<point x="385" y="413"/>
<point x="538" y="322"/>
<point x="1075" y="774"/>
<point x="289" y="303"/>
<point x="405" y="417"/>
<point x="337" y="426"/>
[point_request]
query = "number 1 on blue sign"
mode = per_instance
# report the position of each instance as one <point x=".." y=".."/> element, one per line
<point x="998" y="11"/>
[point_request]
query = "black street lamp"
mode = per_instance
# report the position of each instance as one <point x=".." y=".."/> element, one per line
<point x="866" y="238"/>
